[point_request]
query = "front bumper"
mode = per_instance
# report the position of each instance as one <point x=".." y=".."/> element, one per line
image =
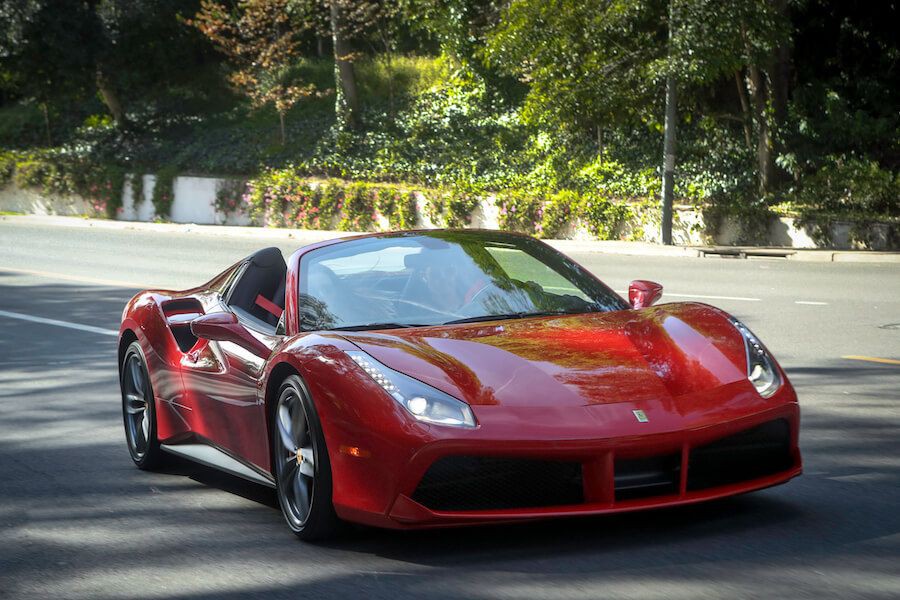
<point x="605" y="467"/>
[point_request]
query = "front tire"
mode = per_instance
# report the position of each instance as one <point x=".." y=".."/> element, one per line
<point x="301" y="465"/>
<point x="139" y="410"/>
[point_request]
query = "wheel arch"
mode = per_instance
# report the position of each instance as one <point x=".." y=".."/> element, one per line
<point x="277" y="375"/>
<point x="127" y="337"/>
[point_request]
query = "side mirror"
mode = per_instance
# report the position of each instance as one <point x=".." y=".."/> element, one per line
<point x="643" y="293"/>
<point x="225" y="327"/>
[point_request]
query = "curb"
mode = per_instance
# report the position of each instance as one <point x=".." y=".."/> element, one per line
<point x="305" y="236"/>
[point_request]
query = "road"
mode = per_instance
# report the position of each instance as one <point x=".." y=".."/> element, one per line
<point x="77" y="520"/>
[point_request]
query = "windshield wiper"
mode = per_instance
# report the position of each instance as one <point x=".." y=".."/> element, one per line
<point x="507" y="316"/>
<point x="370" y="326"/>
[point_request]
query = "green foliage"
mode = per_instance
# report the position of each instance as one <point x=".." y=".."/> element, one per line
<point x="846" y="187"/>
<point x="587" y="63"/>
<point x="519" y="211"/>
<point x="548" y="217"/>
<point x="230" y="196"/>
<point x="287" y="198"/>
<point x="554" y="107"/>
<point x="461" y="202"/>
<point x="358" y="209"/>
<point x="7" y="167"/>
<point x="397" y="205"/>
<point x="164" y="192"/>
<point x="558" y="212"/>
<point x="136" y="181"/>
<point x="601" y="216"/>
<point x="101" y="185"/>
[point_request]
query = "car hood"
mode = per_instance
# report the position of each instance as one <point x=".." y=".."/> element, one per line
<point x="663" y="352"/>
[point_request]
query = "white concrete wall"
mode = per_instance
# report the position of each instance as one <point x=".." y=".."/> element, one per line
<point x="195" y="199"/>
<point x="138" y="209"/>
<point x="33" y="202"/>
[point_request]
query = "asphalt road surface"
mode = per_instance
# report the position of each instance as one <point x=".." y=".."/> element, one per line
<point x="78" y="520"/>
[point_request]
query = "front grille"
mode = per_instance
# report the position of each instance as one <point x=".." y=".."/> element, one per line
<point x="647" y="477"/>
<point x="750" y="454"/>
<point x="464" y="483"/>
<point x="485" y="483"/>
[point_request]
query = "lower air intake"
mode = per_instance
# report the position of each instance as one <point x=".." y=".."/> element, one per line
<point x="647" y="477"/>
<point x="458" y="483"/>
<point x="750" y="454"/>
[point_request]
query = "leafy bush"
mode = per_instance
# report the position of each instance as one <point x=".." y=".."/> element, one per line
<point x="846" y="187"/>
<point x="398" y="206"/>
<point x="163" y="192"/>
<point x="358" y="209"/>
<point x="558" y="213"/>
<point x="520" y="211"/>
<point x="7" y="167"/>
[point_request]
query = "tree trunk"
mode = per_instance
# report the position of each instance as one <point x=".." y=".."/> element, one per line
<point x="347" y="98"/>
<point x="764" y="159"/>
<point x="669" y="148"/>
<point x="781" y="72"/>
<point x="745" y="109"/>
<point x="669" y="141"/>
<point x="600" y="144"/>
<point x="110" y="98"/>
<point x="46" y="112"/>
<point x="320" y="46"/>
<point x="281" y="126"/>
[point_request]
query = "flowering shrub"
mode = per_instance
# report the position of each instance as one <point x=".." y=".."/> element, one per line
<point x="285" y="199"/>
<point x="520" y="211"/>
<point x="100" y="184"/>
<point x="460" y="205"/>
<point x="358" y="208"/>
<point x="163" y="192"/>
<point x="102" y="188"/>
<point x="529" y="213"/>
<point x="230" y="196"/>
<point x="557" y="213"/>
<point x="398" y="206"/>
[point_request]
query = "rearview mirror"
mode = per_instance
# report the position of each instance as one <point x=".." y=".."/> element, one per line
<point x="225" y="327"/>
<point x="643" y="293"/>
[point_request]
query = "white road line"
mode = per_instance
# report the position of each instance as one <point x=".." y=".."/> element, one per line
<point x="78" y="278"/>
<point x="742" y="298"/>
<point x="810" y="302"/>
<point x="78" y="326"/>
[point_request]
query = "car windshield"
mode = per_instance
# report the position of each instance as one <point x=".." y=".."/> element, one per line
<point x="442" y="277"/>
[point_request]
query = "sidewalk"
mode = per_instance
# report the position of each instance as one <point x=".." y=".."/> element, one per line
<point x="304" y="236"/>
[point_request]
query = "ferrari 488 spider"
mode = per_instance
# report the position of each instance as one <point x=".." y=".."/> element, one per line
<point x="437" y="378"/>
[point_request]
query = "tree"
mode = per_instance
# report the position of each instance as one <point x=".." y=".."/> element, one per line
<point x="123" y="50"/>
<point x="605" y="63"/>
<point x="262" y="43"/>
<point x="41" y="50"/>
<point x="347" y="96"/>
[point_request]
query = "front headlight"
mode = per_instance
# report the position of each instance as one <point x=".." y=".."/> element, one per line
<point x="422" y="401"/>
<point x="761" y="370"/>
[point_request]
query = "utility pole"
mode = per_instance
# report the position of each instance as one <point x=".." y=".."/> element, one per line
<point x="669" y="141"/>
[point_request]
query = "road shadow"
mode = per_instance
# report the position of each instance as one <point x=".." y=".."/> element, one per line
<point x="78" y="519"/>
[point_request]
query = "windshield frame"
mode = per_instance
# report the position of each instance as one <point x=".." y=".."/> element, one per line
<point x="605" y="299"/>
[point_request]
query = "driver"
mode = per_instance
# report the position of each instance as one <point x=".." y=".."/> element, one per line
<point x="446" y="289"/>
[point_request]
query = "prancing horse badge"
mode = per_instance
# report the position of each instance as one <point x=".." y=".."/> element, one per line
<point x="641" y="416"/>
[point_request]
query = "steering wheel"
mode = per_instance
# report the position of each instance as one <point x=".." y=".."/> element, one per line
<point x="477" y="289"/>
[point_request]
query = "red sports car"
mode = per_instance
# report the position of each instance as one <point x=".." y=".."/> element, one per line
<point x="437" y="378"/>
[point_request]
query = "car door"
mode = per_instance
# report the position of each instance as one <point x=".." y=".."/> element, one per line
<point x="222" y="377"/>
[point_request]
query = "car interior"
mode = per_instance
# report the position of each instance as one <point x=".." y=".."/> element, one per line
<point x="257" y="296"/>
